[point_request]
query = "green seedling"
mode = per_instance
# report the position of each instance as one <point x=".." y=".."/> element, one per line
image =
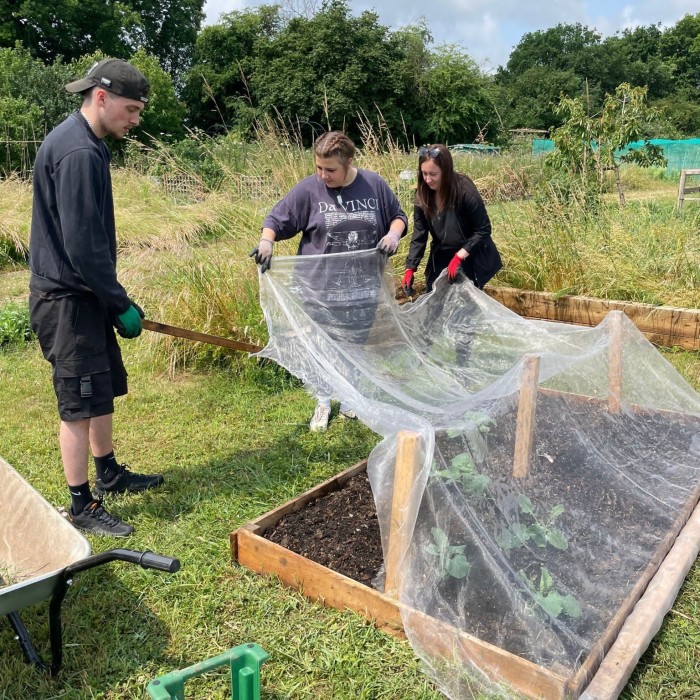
<point x="482" y="421"/>
<point x="451" y="558"/>
<point x="541" y="532"/>
<point x="549" y="599"/>
<point x="462" y="471"/>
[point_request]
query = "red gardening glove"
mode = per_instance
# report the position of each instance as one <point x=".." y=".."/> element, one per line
<point x="453" y="267"/>
<point x="407" y="283"/>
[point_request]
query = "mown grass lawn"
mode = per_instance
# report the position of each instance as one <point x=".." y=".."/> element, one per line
<point x="230" y="447"/>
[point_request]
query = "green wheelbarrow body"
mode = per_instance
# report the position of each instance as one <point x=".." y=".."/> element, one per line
<point x="244" y="661"/>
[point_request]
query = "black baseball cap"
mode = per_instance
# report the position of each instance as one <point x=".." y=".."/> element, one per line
<point x="117" y="76"/>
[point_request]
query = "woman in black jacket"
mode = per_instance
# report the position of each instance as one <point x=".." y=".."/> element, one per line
<point x="450" y="208"/>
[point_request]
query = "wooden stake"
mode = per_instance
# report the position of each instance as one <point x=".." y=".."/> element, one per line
<point x="615" y="362"/>
<point x="405" y="472"/>
<point x="525" y="428"/>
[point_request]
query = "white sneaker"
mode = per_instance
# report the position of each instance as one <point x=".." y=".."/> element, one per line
<point x="319" y="421"/>
<point x="346" y="412"/>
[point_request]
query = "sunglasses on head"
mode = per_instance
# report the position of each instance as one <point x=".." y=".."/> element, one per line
<point x="429" y="152"/>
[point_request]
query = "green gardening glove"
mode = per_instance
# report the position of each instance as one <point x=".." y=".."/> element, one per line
<point x="128" y="324"/>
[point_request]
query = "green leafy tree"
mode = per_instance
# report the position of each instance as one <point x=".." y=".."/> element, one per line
<point x="19" y="136"/>
<point x="566" y="59"/>
<point x="680" y="114"/>
<point x="217" y="89"/>
<point x="330" y="69"/>
<point x="563" y="47"/>
<point x="23" y="77"/>
<point x="32" y="102"/>
<point x="571" y="59"/>
<point x="167" y="29"/>
<point x="69" y="29"/>
<point x="586" y="144"/>
<point x="635" y="58"/>
<point x="164" y="116"/>
<point x="457" y="106"/>
<point x="680" y="46"/>
<point x="531" y="101"/>
<point x="680" y="50"/>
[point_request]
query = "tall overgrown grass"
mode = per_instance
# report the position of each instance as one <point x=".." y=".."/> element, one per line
<point x="642" y="252"/>
<point x="15" y="211"/>
<point x="185" y="257"/>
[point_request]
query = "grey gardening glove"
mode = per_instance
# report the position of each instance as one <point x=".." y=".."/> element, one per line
<point x="389" y="243"/>
<point x="263" y="254"/>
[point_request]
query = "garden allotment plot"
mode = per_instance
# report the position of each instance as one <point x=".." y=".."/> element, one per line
<point x="555" y="466"/>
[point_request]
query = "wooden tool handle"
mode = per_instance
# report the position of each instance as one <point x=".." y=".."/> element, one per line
<point x="199" y="337"/>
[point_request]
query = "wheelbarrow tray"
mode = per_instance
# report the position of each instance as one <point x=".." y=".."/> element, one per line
<point x="36" y="543"/>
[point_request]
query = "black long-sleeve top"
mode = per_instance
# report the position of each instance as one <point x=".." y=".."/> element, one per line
<point x="73" y="247"/>
<point x="474" y="226"/>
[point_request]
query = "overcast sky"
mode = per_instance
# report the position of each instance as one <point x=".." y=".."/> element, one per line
<point x="489" y="29"/>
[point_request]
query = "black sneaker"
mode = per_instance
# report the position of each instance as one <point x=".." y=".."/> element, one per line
<point x="126" y="480"/>
<point x="96" y="520"/>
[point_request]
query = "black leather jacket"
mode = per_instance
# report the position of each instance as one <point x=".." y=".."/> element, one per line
<point x="468" y="226"/>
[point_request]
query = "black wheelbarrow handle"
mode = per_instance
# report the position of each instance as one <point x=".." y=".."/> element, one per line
<point x="148" y="560"/>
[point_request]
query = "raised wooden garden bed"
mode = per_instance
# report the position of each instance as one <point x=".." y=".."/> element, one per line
<point x="543" y="457"/>
<point x="636" y="623"/>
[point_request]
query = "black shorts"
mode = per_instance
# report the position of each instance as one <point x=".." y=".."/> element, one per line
<point x="76" y="336"/>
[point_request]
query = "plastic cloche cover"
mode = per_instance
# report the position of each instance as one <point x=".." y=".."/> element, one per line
<point x="509" y="583"/>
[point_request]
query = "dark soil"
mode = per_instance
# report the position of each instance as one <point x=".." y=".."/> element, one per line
<point x="339" y="530"/>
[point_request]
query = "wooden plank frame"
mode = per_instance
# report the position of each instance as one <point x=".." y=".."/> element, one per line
<point x="663" y="325"/>
<point x="628" y="634"/>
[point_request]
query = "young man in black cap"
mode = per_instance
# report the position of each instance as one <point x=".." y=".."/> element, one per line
<point x="75" y="297"/>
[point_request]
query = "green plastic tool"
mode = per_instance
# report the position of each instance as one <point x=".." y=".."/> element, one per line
<point x="244" y="661"/>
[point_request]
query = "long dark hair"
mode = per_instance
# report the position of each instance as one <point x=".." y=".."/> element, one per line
<point x="427" y="198"/>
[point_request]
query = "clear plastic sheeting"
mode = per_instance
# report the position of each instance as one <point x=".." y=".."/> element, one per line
<point x="557" y="464"/>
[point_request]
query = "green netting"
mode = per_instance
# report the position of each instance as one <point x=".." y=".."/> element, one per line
<point x="681" y="154"/>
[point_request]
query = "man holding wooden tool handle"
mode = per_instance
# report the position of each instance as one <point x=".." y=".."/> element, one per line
<point x="75" y="297"/>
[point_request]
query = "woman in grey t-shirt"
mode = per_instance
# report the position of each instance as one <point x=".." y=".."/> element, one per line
<point x="341" y="208"/>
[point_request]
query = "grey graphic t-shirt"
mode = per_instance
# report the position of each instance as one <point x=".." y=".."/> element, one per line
<point x="335" y="220"/>
<point x="339" y="293"/>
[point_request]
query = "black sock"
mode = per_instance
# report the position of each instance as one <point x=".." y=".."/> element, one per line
<point x="106" y="467"/>
<point x="80" y="496"/>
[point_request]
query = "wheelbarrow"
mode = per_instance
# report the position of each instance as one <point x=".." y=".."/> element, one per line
<point x="40" y="552"/>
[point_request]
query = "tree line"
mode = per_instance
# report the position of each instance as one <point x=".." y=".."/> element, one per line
<point x="322" y="67"/>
